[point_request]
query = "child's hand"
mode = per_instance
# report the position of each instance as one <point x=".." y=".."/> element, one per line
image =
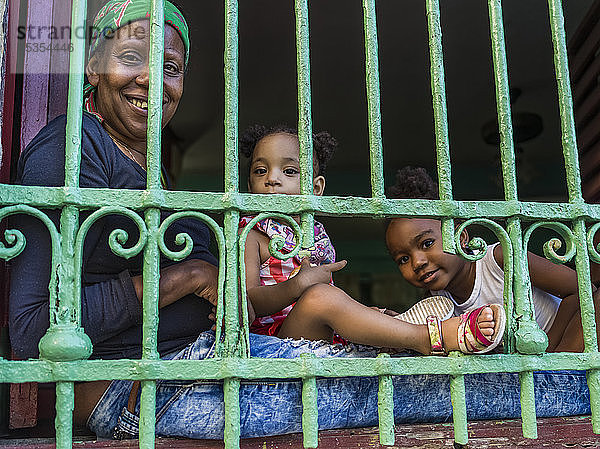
<point x="311" y="275"/>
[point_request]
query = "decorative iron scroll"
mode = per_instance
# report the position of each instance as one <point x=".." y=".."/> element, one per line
<point x="116" y="239"/>
<point x="276" y="243"/>
<point x="183" y="238"/>
<point x="17" y="241"/>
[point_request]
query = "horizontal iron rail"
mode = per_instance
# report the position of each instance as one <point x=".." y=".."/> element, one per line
<point x="348" y="206"/>
<point x="255" y="368"/>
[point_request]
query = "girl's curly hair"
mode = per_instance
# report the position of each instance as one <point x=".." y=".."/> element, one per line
<point x="413" y="183"/>
<point x="324" y="144"/>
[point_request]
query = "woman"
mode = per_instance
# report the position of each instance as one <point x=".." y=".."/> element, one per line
<point x="113" y="155"/>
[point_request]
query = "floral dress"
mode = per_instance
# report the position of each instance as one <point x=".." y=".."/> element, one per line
<point x="274" y="271"/>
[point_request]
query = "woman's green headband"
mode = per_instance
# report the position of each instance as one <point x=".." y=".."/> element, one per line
<point x="118" y="13"/>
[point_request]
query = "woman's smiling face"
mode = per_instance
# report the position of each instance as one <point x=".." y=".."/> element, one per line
<point x="120" y="72"/>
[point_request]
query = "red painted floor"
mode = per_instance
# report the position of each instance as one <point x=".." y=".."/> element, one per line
<point x="572" y="432"/>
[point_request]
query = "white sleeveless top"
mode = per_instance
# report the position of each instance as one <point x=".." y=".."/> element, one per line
<point x="488" y="288"/>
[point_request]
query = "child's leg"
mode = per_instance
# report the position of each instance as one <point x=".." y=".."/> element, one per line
<point x="324" y="308"/>
<point x="567" y="312"/>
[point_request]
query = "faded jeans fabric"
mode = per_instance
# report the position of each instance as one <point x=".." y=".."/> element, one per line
<point x="195" y="408"/>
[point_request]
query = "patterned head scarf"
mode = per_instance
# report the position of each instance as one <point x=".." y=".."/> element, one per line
<point x="119" y="13"/>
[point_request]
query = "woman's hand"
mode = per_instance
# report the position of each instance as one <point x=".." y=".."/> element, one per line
<point x="204" y="277"/>
<point x="310" y="275"/>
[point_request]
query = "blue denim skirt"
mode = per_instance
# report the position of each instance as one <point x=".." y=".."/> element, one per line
<point x="195" y="409"/>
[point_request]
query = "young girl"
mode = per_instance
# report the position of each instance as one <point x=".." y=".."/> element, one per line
<point x="415" y="244"/>
<point x="294" y="298"/>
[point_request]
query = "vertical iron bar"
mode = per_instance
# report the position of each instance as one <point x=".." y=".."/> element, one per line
<point x="310" y="421"/>
<point x="507" y="152"/>
<point x="310" y="411"/>
<point x="507" y="156"/>
<point x="64" y="339"/>
<point x="70" y="215"/>
<point x="232" y="186"/>
<point x="63" y="423"/>
<point x="528" y="405"/>
<point x="232" y="346"/>
<point x="63" y="345"/>
<point x="151" y="277"/>
<point x="231" y="97"/>
<point x="75" y="96"/>
<point x="565" y="100"/>
<point x="147" y="423"/>
<point x="570" y="152"/>
<point x="151" y="268"/>
<point x="508" y="295"/>
<point x="373" y="99"/>
<point x="584" y="280"/>
<point x="458" y="396"/>
<point x="231" y="183"/>
<point x="588" y="320"/>
<point x="155" y="94"/>
<point x="304" y="116"/>
<point x="231" y="397"/>
<point x="593" y="381"/>
<point x="530" y="339"/>
<point x="385" y="407"/>
<point x="440" y="115"/>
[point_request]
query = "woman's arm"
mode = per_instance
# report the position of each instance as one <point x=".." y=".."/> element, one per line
<point x="191" y="276"/>
<point x="269" y="299"/>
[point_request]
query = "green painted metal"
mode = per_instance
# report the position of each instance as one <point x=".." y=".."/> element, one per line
<point x="373" y="99"/>
<point x="565" y="101"/>
<point x="440" y="117"/>
<point x="231" y="97"/>
<point x="528" y="404"/>
<point x="587" y="317"/>
<point x="304" y="116"/>
<point x="310" y="414"/>
<point x="254" y="368"/>
<point x="385" y="406"/>
<point x="155" y="94"/>
<point x="231" y="395"/>
<point x="479" y="247"/>
<point x="528" y="337"/>
<point x="63" y="423"/>
<point x="458" y="395"/>
<point x="55" y="197"/>
<point x="65" y="339"/>
<point x="507" y="151"/>
<point x="569" y="143"/>
<point x="147" y="420"/>
<point x="65" y="347"/>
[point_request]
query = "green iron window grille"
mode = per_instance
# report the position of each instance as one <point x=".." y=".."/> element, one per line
<point x="65" y="347"/>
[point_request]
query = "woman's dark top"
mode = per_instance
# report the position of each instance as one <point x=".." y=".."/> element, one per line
<point x="111" y="311"/>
